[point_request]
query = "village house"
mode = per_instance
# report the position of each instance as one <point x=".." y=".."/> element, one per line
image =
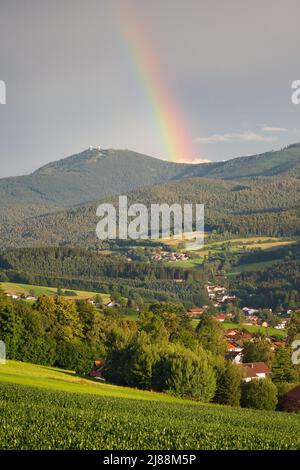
<point x="255" y="370"/>
<point x="235" y="357"/>
<point x="277" y="344"/>
<point x="227" y="298"/>
<point x="221" y="317"/>
<point x="233" y="346"/>
<point x="111" y="303"/>
<point x="249" y="311"/>
<point x="246" y="336"/>
<point x="231" y="333"/>
<point x="283" y="324"/>
<point x="29" y="297"/>
<point x="167" y="256"/>
<point x="195" y="312"/>
<point x="12" y="296"/>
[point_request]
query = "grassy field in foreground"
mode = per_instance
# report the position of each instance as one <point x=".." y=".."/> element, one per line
<point x="19" y="289"/>
<point x="62" y="420"/>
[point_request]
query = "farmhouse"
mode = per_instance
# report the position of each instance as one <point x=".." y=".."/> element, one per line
<point x="255" y="370"/>
<point x="233" y="346"/>
<point x="277" y="344"/>
<point x="28" y="297"/>
<point x="246" y="336"/>
<point x="249" y="311"/>
<point x="282" y="325"/>
<point x="195" y="312"/>
<point x="111" y="303"/>
<point x="166" y="256"/>
<point x="13" y="296"/>
<point x="232" y="333"/>
<point x="221" y="317"/>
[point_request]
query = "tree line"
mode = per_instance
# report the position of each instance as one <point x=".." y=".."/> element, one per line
<point x="81" y="269"/>
<point x="160" y="351"/>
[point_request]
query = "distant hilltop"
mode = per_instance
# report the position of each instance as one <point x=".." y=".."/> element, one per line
<point x="97" y="147"/>
<point x="97" y="173"/>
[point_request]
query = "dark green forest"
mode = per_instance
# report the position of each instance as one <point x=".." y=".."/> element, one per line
<point x="259" y="206"/>
<point x="88" y="270"/>
<point x="276" y="287"/>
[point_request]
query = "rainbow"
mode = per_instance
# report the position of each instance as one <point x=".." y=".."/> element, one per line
<point x="175" y="139"/>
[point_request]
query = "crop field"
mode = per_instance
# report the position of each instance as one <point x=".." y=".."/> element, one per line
<point x="36" y="398"/>
<point x="60" y="420"/>
<point x="19" y="289"/>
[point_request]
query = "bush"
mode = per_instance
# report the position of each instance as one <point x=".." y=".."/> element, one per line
<point x="285" y="387"/>
<point x="229" y="385"/>
<point x="186" y="374"/>
<point x="260" y="394"/>
<point x="74" y="356"/>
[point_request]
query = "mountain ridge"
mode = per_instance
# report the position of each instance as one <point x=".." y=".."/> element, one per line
<point x="94" y="174"/>
<point x="99" y="174"/>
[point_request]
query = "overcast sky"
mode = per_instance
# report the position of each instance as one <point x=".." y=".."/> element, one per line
<point x="71" y="83"/>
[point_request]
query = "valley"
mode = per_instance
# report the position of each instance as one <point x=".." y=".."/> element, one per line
<point x="149" y="325"/>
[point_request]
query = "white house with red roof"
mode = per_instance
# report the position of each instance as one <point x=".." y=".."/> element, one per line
<point x="255" y="370"/>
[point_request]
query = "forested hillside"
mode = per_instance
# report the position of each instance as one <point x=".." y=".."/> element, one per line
<point x="89" y="270"/>
<point x="95" y="174"/>
<point x="257" y="195"/>
<point x="275" y="287"/>
<point x="261" y="206"/>
<point x="87" y="176"/>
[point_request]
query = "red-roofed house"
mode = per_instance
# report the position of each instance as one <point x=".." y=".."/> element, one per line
<point x="195" y="312"/>
<point x="255" y="370"/>
<point x="221" y="317"/>
<point x="233" y="346"/>
<point x="231" y="333"/>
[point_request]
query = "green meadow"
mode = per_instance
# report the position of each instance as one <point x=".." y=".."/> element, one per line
<point x="237" y="245"/>
<point x="19" y="289"/>
<point x="50" y="378"/>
